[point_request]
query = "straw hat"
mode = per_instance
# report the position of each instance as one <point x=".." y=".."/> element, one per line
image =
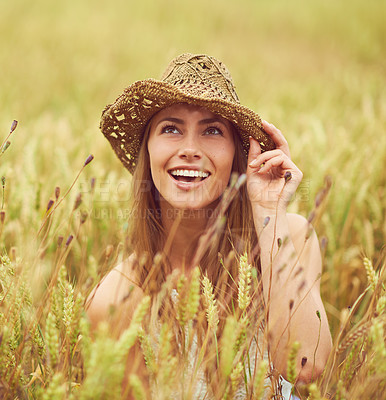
<point x="195" y="79"/>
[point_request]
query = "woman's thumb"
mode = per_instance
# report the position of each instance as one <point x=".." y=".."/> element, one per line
<point x="254" y="149"/>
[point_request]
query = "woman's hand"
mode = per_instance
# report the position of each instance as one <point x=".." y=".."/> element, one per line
<point x="272" y="177"/>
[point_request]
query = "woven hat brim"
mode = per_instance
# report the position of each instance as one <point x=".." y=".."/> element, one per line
<point x="123" y="122"/>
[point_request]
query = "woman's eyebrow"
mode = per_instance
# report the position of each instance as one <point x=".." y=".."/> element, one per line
<point x="202" y="121"/>
<point x="211" y="121"/>
<point x="172" y="119"/>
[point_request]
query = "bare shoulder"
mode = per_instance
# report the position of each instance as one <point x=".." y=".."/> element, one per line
<point x="112" y="291"/>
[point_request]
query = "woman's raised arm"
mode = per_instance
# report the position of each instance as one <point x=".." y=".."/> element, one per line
<point x="290" y="262"/>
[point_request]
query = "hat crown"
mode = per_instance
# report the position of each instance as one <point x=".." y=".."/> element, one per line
<point x="201" y="75"/>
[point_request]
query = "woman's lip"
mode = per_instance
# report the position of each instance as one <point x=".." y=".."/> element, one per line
<point x="187" y="185"/>
<point x="194" y="169"/>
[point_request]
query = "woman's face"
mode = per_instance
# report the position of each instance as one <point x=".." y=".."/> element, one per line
<point x="191" y="153"/>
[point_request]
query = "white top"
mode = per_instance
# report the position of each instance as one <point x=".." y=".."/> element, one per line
<point x="197" y="378"/>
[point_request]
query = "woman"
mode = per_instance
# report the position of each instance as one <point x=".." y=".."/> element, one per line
<point x="182" y="138"/>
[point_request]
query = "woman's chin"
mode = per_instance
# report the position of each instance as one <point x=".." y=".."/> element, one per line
<point x="191" y="209"/>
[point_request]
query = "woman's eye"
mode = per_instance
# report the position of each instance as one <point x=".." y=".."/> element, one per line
<point x="213" y="131"/>
<point x="170" y="130"/>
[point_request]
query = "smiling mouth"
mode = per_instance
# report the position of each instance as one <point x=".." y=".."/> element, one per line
<point x="188" y="175"/>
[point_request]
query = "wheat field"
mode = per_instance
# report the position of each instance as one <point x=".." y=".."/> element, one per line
<point x="314" y="69"/>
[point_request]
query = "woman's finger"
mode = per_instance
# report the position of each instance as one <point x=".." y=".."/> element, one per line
<point x="254" y="149"/>
<point x="263" y="157"/>
<point x="276" y="135"/>
<point x="280" y="161"/>
<point x="274" y="160"/>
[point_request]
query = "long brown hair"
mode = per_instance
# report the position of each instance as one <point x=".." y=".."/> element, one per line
<point x="148" y="237"/>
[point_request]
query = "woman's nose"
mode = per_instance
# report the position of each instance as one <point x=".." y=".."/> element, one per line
<point x="190" y="150"/>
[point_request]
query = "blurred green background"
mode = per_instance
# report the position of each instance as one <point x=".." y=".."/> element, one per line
<point x="316" y="69"/>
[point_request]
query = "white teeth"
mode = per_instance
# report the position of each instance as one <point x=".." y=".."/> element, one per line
<point x="189" y="172"/>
